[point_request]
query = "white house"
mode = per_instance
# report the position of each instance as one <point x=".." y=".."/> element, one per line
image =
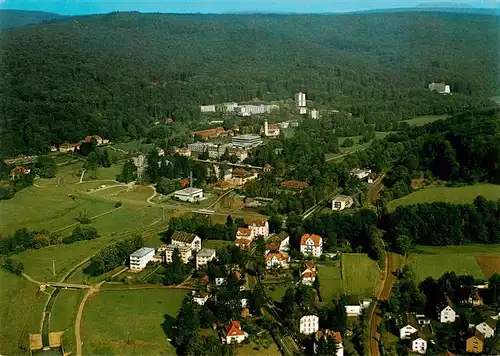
<point x="309" y="324"/>
<point x="313" y="114"/>
<point x="355" y="309"/>
<point x="279" y="242"/>
<point x="311" y="244"/>
<point x="341" y="202"/>
<point x="204" y="256"/>
<point x="184" y="250"/>
<point x="245" y="233"/>
<point x="233" y="334"/>
<point x="487" y="327"/>
<point x="418" y="343"/>
<point x="336" y="336"/>
<point x="308" y="275"/>
<point x="259" y="227"/>
<point x="409" y="327"/>
<point x="277" y="259"/>
<point x="446" y="312"/>
<point x="189" y="194"/>
<point x="220" y="280"/>
<point x="200" y="298"/>
<point x="181" y="238"/>
<point x="140" y="258"/>
<point x="441" y="88"/>
<point x="271" y="130"/>
<point x="360" y="173"/>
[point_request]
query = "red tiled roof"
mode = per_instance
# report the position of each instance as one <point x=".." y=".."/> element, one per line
<point x="234" y="329"/>
<point x="256" y="222"/>
<point x="316" y="239"/>
<point x="209" y="132"/>
<point x="19" y="170"/>
<point x="242" y="241"/>
<point x="239" y="172"/>
<point x="296" y="184"/>
<point x="278" y="255"/>
<point x="244" y="231"/>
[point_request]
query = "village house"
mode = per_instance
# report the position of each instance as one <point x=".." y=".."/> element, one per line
<point x="267" y="168"/>
<point x="410" y="327"/>
<point x="475" y="342"/>
<point x="244" y="244"/>
<point x="140" y="258"/>
<point x="360" y="173"/>
<point x="189" y="194"/>
<point x="185" y="252"/>
<point x="336" y="336"/>
<point x="19" y="171"/>
<point x="181" y="238"/>
<point x="240" y="153"/>
<point x="355" y="307"/>
<point x="309" y="324"/>
<point x="446" y="312"/>
<point x="212" y="133"/>
<point x="487" y="328"/>
<point x="341" y="202"/>
<point x="311" y="245"/>
<point x="277" y="259"/>
<point x="242" y="177"/>
<point x="204" y="256"/>
<point x="418" y="343"/>
<point x="200" y="298"/>
<point x="233" y="334"/>
<point x="183" y="151"/>
<point x="279" y="242"/>
<point x="69" y="147"/>
<point x="259" y="227"/>
<point x="270" y="130"/>
<point x="308" y="274"/>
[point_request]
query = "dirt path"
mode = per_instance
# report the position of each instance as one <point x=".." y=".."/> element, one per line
<point x="78" y="320"/>
<point x="92" y="218"/>
<point x="148" y="200"/>
<point x="343" y="155"/>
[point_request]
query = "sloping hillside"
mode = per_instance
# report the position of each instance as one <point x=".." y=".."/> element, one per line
<point x="18" y="18"/>
<point x="113" y="74"/>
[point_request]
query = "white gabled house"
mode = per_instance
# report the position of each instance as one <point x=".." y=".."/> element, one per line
<point x="409" y="327"/>
<point x="309" y="324"/>
<point x="487" y="327"/>
<point x="181" y="238"/>
<point x="418" y="343"/>
<point x="446" y="312"/>
<point x="355" y="309"/>
<point x="200" y="298"/>
<point x="233" y="334"/>
<point x="308" y="274"/>
<point x="277" y="259"/>
<point x="311" y="244"/>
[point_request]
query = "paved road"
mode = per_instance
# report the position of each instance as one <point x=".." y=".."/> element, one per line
<point x="343" y="155"/>
<point x="384" y="294"/>
<point x="229" y="164"/>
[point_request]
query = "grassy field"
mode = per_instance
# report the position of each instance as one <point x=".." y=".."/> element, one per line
<point x="330" y="278"/>
<point x="21" y="308"/>
<point x="479" y="261"/>
<point x="360" y="274"/>
<point x="424" y="120"/>
<point x="216" y="243"/>
<point x="457" y="195"/>
<point x="102" y="173"/>
<point x="64" y="309"/>
<point x="138" y="193"/>
<point x="137" y="321"/>
<point x="356" y="146"/>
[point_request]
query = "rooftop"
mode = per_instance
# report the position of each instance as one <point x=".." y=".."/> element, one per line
<point x="183" y="236"/>
<point x="316" y="239"/>
<point x="342" y="198"/>
<point x="206" y="252"/>
<point x="181" y="248"/>
<point x="143" y="251"/>
<point x="188" y="191"/>
<point x="247" y="137"/>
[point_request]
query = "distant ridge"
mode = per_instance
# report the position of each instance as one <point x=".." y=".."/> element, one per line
<point x="20" y="18"/>
<point x="423" y="8"/>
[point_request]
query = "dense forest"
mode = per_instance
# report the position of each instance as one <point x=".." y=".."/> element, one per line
<point x="18" y="18"/>
<point x="115" y="74"/>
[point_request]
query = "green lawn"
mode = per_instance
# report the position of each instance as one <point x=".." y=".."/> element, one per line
<point x="216" y="244"/>
<point x="64" y="310"/>
<point x="21" y="308"/>
<point x="102" y="173"/>
<point x="130" y="322"/>
<point x="138" y="193"/>
<point x="424" y="120"/>
<point x="465" y="194"/>
<point x="430" y="261"/>
<point x="360" y="274"/>
<point x="276" y="291"/>
<point x="330" y="278"/>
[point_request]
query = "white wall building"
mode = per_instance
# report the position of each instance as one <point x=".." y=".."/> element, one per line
<point x="233" y="334"/>
<point x="200" y="298"/>
<point x="314" y="114"/>
<point x="487" y="328"/>
<point x="204" y="256"/>
<point x="300" y="99"/>
<point x="184" y="250"/>
<point x="140" y="258"/>
<point x="271" y="130"/>
<point x="418" y="343"/>
<point x="355" y="309"/>
<point x="189" y="194"/>
<point x="447" y="315"/>
<point x="207" y="108"/>
<point x="309" y="324"/>
<point x="277" y="259"/>
<point x="341" y="202"/>
<point x="260" y="227"/>
<point x="181" y="238"/>
<point x="247" y="141"/>
<point x="311" y="244"/>
<point x="441" y="88"/>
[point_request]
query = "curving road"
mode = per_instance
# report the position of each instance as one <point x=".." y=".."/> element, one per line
<point x="383" y="295"/>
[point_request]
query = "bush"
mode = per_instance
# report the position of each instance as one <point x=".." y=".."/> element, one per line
<point x="118" y="204"/>
<point x="13" y="266"/>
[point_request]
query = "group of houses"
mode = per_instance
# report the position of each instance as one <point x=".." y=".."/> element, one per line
<point x="239" y="109"/>
<point x="72" y="147"/>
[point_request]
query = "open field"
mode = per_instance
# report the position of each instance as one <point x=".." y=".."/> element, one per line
<point x="253" y="349"/>
<point x="330" y="278"/>
<point x="139" y="193"/>
<point x="137" y="320"/>
<point x="21" y="308"/>
<point x="64" y="309"/>
<point x="216" y="244"/>
<point x="356" y="147"/>
<point x="424" y="120"/>
<point x="360" y="274"/>
<point x="476" y="260"/>
<point x="102" y="173"/>
<point x="459" y="195"/>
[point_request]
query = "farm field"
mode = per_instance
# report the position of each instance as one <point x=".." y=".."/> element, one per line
<point x="102" y="173"/>
<point x="64" y="309"/>
<point x="138" y="194"/>
<point x="330" y="285"/>
<point x="138" y="319"/>
<point x="476" y="260"/>
<point x="424" y="120"/>
<point x="465" y="194"/>
<point x="360" y="274"/>
<point x="21" y="308"/>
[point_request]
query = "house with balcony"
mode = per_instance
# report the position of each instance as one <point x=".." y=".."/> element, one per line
<point x="311" y="244"/>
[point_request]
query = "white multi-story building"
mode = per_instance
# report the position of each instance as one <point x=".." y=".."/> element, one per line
<point x="279" y="242"/>
<point x="311" y="244"/>
<point x="277" y="259"/>
<point x="409" y="327"/>
<point x="240" y="153"/>
<point x="184" y="250"/>
<point x="271" y="130"/>
<point x="216" y="151"/>
<point x="247" y="141"/>
<point x="308" y="275"/>
<point x="309" y="324"/>
<point x="200" y="298"/>
<point x="313" y="114"/>
<point x="198" y="147"/>
<point x="181" y="238"/>
<point x="418" y="343"/>
<point x="248" y="110"/>
<point x="140" y="258"/>
<point x="446" y="313"/>
<point x="189" y="194"/>
<point x="204" y="256"/>
<point x="341" y="202"/>
<point x="487" y="328"/>
<point x="300" y="99"/>
<point x="207" y="108"/>
<point x="259" y="227"/>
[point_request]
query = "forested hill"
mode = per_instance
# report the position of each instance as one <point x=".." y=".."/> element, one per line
<point x="18" y="18"/>
<point x="114" y="74"/>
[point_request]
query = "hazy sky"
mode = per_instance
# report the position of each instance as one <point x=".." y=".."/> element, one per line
<point x="73" y="7"/>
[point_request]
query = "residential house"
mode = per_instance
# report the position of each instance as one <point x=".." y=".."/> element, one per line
<point x="279" y="242"/>
<point x="185" y="252"/>
<point x="240" y="153"/>
<point x="267" y="168"/>
<point x="244" y="244"/>
<point x="259" y="227"/>
<point x="336" y="336"/>
<point x="355" y="307"/>
<point x="245" y="233"/>
<point x="418" y="343"/>
<point x="308" y="274"/>
<point x="409" y="327"/>
<point x="220" y="280"/>
<point x="277" y="259"/>
<point x="446" y="312"/>
<point x="233" y="334"/>
<point x="200" y="298"/>
<point x="487" y="328"/>
<point x="341" y="202"/>
<point x="242" y="177"/>
<point x="19" y="171"/>
<point x="309" y="324"/>
<point x="475" y="342"/>
<point x="313" y="114"/>
<point x="271" y="130"/>
<point x="182" y="238"/>
<point x="204" y="256"/>
<point x="189" y="194"/>
<point x="441" y="88"/>
<point x="361" y="173"/>
<point x="311" y="244"/>
<point x="140" y="258"/>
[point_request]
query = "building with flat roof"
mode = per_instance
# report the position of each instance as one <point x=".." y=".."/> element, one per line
<point x="184" y="250"/>
<point x="140" y="258"/>
<point x="189" y="194"/>
<point x="300" y="99"/>
<point x="247" y="141"/>
<point x="204" y="256"/>
<point x="441" y="88"/>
